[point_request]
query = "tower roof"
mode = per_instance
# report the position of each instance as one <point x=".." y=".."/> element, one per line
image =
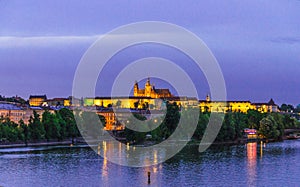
<point x="271" y="102"/>
<point x="38" y="96"/>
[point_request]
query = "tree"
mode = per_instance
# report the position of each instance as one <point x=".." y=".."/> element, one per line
<point x="92" y="124"/>
<point x="25" y="131"/>
<point x="268" y="128"/>
<point x="227" y="131"/>
<point x="51" y="125"/>
<point x="278" y="118"/>
<point x="290" y="108"/>
<point x="284" y="107"/>
<point x="36" y="129"/>
<point x="240" y="123"/>
<point x="69" y="119"/>
<point x="201" y="126"/>
<point x="46" y="123"/>
<point x="137" y="121"/>
<point x="297" y="110"/>
<point x="287" y="108"/>
<point x="254" y="118"/>
<point x="10" y="131"/>
<point x="289" y="122"/>
<point x="172" y="117"/>
<point x="62" y="126"/>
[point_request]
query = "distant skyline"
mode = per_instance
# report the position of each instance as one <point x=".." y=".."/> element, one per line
<point x="256" y="42"/>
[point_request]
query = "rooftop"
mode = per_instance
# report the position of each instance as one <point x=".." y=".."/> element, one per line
<point x="7" y="106"/>
<point x="38" y="96"/>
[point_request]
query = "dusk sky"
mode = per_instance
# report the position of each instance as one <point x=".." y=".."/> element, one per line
<point x="256" y="42"/>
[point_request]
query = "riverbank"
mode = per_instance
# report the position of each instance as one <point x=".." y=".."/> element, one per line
<point x="225" y="143"/>
<point x="146" y="143"/>
<point x="42" y="143"/>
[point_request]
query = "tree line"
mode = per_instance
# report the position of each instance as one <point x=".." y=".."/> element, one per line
<point x="290" y="108"/>
<point x="64" y="124"/>
<point x="49" y="126"/>
<point x="268" y="125"/>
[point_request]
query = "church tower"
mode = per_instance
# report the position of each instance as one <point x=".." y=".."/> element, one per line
<point x="136" y="89"/>
<point x="148" y="88"/>
<point x="207" y="98"/>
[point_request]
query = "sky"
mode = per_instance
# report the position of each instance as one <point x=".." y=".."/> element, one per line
<point x="256" y="43"/>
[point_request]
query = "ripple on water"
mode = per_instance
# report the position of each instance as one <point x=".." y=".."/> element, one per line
<point x="240" y="165"/>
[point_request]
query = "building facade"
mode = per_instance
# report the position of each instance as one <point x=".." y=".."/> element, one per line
<point x="236" y="106"/>
<point x="124" y="102"/>
<point x="150" y="91"/>
<point x="37" y="100"/>
<point x="266" y="107"/>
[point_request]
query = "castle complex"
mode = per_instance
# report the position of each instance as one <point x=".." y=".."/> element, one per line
<point x="143" y="99"/>
<point x="150" y="91"/>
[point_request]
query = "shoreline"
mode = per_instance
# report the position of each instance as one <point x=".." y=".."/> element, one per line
<point x="80" y="141"/>
<point x="42" y="143"/>
<point x="226" y="143"/>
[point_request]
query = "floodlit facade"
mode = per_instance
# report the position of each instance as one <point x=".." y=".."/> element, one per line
<point x="124" y="102"/>
<point x="150" y="91"/>
<point x="37" y="100"/>
<point x="236" y="106"/>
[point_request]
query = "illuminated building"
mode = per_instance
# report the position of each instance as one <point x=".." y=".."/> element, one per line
<point x="37" y="100"/>
<point x="115" y="120"/>
<point x="150" y="91"/>
<point x="250" y="133"/>
<point x="266" y="107"/>
<point x="59" y="102"/>
<point x="236" y="106"/>
<point x="184" y="102"/>
<point x="124" y="102"/>
<point x="11" y="111"/>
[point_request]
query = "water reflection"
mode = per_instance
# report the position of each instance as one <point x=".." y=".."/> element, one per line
<point x="104" y="165"/>
<point x="237" y="165"/>
<point x="261" y="149"/>
<point x="135" y="156"/>
<point x="252" y="162"/>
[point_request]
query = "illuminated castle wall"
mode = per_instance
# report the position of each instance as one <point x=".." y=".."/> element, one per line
<point x="236" y="106"/>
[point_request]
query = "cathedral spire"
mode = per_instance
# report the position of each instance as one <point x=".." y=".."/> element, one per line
<point x="208" y="98"/>
<point x="148" y="82"/>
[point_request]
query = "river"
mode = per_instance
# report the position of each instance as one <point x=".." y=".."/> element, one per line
<point x="253" y="164"/>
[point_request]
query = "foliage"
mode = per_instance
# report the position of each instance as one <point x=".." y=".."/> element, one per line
<point x="254" y="118"/>
<point x="269" y="128"/>
<point x="71" y="129"/>
<point x="14" y="99"/>
<point x="51" y="125"/>
<point x="92" y="124"/>
<point x="36" y="129"/>
<point x="287" y="108"/>
<point x="201" y="126"/>
<point x="297" y="109"/>
<point x="164" y="130"/>
<point x="62" y="124"/>
<point x="134" y="136"/>
<point x="59" y="125"/>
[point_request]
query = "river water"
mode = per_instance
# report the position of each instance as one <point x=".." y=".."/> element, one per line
<point x="253" y="164"/>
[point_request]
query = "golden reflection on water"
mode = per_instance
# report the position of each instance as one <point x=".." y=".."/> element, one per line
<point x="106" y="149"/>
<point x="155" y="156"/>
<point x="104" y="165"/>
<point x="261" y="149"/>
<point x="252" y="162"/>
